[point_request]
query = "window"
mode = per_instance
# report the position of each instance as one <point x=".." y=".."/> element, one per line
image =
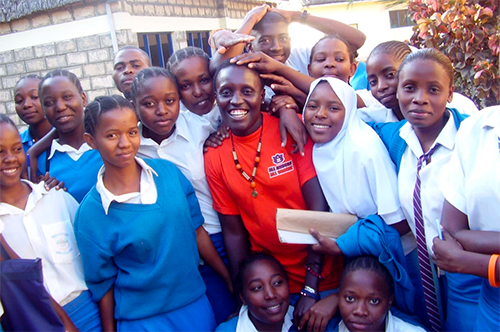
<point x="400" y="18"/>
<point x="200" y="39"/>
<point x="158" y="46"/>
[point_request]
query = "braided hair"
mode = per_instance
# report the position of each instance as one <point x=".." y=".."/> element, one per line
<point x="146" y="74"/>
<point x="369" y="263"/>
<point x="62" y="72"/>
<point x="101" y="105"/>
<point x="185" y="53"/>
<point x="393" y="47"/>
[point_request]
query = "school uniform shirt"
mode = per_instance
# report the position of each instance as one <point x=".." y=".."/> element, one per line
<point x="392" y="324"/>
<point x="147" y="252"/>
<point x="27" y="140"/>
<point x="472" y="181"/>
<point x="213" y="116"/>
<point x="378" y="113"/>
<point x="184" y="148"/>
<point x="44" y="229"/>
<point x="431" y="197"/>
<point x="354" y="168"/>
<point x="147" y="194"/>
<point x="279" y="179"/>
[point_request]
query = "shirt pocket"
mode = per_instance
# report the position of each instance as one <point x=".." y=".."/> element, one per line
<point x="61" y="241"/>
<point x="196" y="166"/>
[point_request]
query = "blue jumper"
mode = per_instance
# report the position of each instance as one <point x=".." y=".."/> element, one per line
<point x="147" y="252"/>
<point x="78" y="176"/>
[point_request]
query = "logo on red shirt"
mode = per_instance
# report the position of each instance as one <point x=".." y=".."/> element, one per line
<point x="281" y="165"/>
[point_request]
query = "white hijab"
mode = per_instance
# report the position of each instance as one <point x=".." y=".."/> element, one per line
<point x="354" y="169"/>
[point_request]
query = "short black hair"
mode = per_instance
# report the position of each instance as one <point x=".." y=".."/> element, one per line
<point x="4" y="118"/>
<point x="352" y="54"/>
<point x="369" y="263"/>
<point x="249" y="261"/>
<point x="101" y="105"/>
<point x="135" y="48"/>
<point x="433" y="55"/>
<point x="65" y="73"/>
<point x="226" y="64"/>
<point x="146" y="74"/>
<point x="269" y="17"/>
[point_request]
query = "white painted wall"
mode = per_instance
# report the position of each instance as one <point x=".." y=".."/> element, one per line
<point x="371" y="17"/>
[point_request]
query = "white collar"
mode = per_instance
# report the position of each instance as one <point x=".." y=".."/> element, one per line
<point x="446" y="137"/>
<point x="181" y="129"/>
<point x="245" y="324"/>
<point x="147" y="181"/>
<point x="56" y="146"/>
<point x="37" y="192"/>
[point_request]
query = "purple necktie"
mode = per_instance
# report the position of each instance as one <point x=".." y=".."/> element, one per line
<point x="423" y="255"/>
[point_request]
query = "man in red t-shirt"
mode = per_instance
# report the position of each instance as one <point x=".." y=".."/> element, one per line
<point x="281" y="180"/>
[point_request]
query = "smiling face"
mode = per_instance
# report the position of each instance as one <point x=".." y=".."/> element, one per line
<point x="62" y="103"/>
<point x="127" y="64"/>
<point x="116" y="137"/>
<point x="265" y="291"/>
<point x="331" y="58"/>
<point x="12" y="157"/>
<point x="273" y="40"/>
<point x="157" y="103"/>
<point x="324" y="114"/>
<point x="382" y="71"/>
<point x="239" y="95"/>
<point x="195" y="84"/>
<point x="27" y="102"/>
<point x="424" y="89"/>
<point x="364" y="301"/>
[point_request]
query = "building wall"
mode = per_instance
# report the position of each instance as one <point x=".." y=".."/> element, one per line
<point x="77" y="37"/>
<point x="371" y="17"/>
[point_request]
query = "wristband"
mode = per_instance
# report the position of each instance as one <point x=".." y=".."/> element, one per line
<point x="311" y="271"/>
<point x="491" y="271"/>
<point x="305" y="292"/>
<point x="303" y="16"/>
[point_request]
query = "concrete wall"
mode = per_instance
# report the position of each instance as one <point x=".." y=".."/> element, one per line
<point x="77" y="37"/>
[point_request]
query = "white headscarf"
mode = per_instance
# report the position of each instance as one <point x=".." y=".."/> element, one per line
<point x="354" y="169"/>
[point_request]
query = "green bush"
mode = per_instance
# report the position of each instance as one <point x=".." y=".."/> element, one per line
<point x="468" y="32"/>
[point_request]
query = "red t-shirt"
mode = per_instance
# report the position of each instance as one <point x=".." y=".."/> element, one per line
<point x="279" y="178"/>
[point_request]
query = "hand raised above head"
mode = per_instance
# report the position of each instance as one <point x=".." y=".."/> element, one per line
<point x="224" y="39"/>
<point x="259" y="61"/>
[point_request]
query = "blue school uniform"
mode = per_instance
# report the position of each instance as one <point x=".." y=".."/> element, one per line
<point x="148" y="253"/>
<point x="78" y="175"/>
<point x="460" y="292"/>
<point x="27" y="140"/>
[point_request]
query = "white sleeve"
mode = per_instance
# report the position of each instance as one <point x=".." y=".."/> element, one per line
<point x="463" y="104"/>
<point x="299" y="59"/>
<point x="452" y="185"/>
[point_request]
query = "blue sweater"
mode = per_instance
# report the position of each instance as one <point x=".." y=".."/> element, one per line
<point x="389" y="133"/>
<point x="78" y="176"/>
<point x="148" y="253"/>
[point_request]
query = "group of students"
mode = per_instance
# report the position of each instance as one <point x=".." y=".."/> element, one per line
<point x="168" y="222"/>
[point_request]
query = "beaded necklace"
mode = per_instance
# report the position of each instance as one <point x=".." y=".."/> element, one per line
<point x="251" y="179"/>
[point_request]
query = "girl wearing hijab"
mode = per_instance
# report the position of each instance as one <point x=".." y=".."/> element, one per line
<point x="353" y="166"/>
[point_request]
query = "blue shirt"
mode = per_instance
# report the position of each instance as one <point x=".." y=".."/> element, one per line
<point x="148" y="253"/>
